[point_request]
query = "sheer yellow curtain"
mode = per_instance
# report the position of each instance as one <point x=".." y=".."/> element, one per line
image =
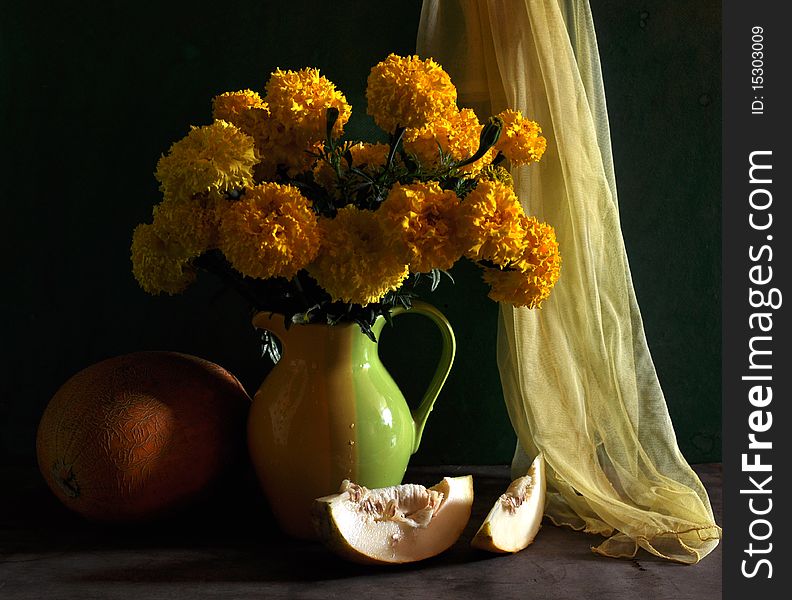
<point x="577" y="376"/>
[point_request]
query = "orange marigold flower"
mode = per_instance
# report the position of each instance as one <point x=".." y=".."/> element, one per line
<point x="528" y="282"/>
<point x="408" y="92"/>
<point x="278" y="146"/>
<point x="234" y="107"/>
<point x="427" y="219"/>
<point x="356" y="264"/>
<point x="192" y="225"/>
<point x="372" y="156"/>
<point x="325" y="175"/>
<point x="456" y="133"/>
<point x="270" y="232"/>
<point x="215" y="158"/>
<point x="281" y="149"/>
<point x="520" y="139"/>
<point x="159" y="266"/>
<point x="492" y="224"/>
<point x="299" y="100"/>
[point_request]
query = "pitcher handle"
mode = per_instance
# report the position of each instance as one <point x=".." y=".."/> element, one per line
<point x="421" y="413"/>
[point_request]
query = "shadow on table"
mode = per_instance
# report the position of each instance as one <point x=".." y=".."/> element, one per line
<point x="230" y="536"/>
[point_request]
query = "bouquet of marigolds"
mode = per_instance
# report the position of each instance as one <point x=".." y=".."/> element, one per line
<point x="271" y="198"/>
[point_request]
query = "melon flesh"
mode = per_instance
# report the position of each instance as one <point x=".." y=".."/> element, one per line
<point x="398" y="524"/>
<point x="514" y="520"/>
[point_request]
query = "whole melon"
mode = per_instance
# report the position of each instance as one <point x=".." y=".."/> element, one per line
<point x="133" y="437"/>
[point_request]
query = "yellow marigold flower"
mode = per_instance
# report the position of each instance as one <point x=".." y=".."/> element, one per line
<point x="252" y="120"/>
<point x="356" y="263"/>
<point x="325" y="175"/>
<point x="213" y="158"/>
<point x="285" y="153"/>
<point x="277" y="146"/>
<point x="456" y="133"/>
<point x="299" y="101"/>
<point x="192" y="225"/>
<point x="158" y="265"/>
<point x="520" y="139"/>
<point x="234" y="107"/>
<point x="372" y="156"/>
<point x="529" y="281"/>
<point x="408" y="92"/>
<point x="270" y="232"/>
<point x="492" y="224"/>
<point x="426" y="216"/>
<point x="291" y="124"/>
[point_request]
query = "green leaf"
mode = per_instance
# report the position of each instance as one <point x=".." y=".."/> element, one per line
<point x="332" y="117"/>
<point x="334" y="319"/>
<point x="435" y="275"/>
<point x="396" y="139"/>
<point x="269" y="346"/>
<point x="366" y="329"/>
<point x="409" y="160"/>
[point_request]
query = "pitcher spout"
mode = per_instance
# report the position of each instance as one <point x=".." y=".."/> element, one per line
<point x="270" y="321"/>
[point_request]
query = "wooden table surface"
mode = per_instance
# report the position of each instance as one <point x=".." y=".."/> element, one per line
<point x="228" y="548"/>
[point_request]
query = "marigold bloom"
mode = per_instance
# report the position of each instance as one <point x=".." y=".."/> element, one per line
<point x="356" y="263"/>
<point x="158" y="265"/>
<point x="528" y="281"/>
<point x="408" y="92"/>
<point x="277" y="146"/>
<point x="214" y="158"/>
<point x="325" y="176"/>
<point x="280" y="149"/>
<point x="492" y="224"/>
<point x="520" y="139"/>
<point x="270" y="232"/>
<point x="456" y="133"/>
<point x="372" y="156"/>
<point x="234" y="107"/>
<point x="299" y="100"/>
<point x="427" y="219"/>
<point x="192" y="225"/>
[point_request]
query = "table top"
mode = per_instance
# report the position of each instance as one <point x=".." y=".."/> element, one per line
<point x="228" y="547"/>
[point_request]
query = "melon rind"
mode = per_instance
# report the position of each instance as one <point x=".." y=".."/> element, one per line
<point x="504" y="531"/>
<point x="389" y="542"/>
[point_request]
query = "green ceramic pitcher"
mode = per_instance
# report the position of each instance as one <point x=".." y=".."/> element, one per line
<point x="330" y="411"/>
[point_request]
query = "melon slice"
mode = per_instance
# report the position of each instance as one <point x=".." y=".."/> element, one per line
<point x="515" y="519"/>
<point x="398" y="524"/>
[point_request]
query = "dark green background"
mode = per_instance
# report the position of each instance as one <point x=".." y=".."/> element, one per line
<point x="93" y="92"/>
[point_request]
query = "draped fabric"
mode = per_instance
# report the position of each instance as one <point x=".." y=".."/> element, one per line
<point x="578" y="379"/>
